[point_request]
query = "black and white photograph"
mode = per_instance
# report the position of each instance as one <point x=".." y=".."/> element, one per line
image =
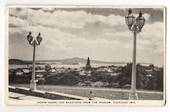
<point x="85" y="55"/>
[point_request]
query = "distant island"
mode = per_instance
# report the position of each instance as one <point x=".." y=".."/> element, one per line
<point x="68" y="60"/>
<point x="74" y="60"/>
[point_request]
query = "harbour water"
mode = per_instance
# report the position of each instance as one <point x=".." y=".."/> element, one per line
<point x="59" y="65"/>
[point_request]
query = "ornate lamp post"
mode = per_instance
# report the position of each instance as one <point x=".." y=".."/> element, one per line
<point x="135" y="25"/>
<point x="33" y="42"/>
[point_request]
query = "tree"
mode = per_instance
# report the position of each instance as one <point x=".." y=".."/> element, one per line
<point x="47" y="69"/>
<point x="125" y="76"/>
<point x="141" y="78"/>
<point x="160" y="80"/>
<point x="69" y="78"/>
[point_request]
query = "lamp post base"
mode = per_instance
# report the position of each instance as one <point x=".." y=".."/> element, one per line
<point x="133" y="96"/>
<point x="33" y="85"/>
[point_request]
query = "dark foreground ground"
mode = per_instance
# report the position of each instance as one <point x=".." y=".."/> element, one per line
<point x="108" y="93"/>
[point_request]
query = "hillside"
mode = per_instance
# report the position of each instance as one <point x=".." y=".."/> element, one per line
<point x="18" y="62"/>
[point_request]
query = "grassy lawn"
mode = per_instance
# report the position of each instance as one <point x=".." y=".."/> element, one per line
<point x="108" y="93"/>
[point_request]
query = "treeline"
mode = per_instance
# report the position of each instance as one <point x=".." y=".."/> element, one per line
<point x="151" y="80"/>
<point x="148" y="78"/>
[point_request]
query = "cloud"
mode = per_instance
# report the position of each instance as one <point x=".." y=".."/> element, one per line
<point x="68" y="19"/>
<point x="19" y="12"/>
<point x="152" y="35"/>
<point x="17" y="22"/>
<point x="81" y="34"/>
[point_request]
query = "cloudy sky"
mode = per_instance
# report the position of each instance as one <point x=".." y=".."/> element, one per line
<point x="100" y="34"/>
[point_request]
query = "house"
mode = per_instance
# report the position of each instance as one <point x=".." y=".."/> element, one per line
<point x="19" y="73"/>
<point x="53" y="70"/>
<point x="26" y="71"/>
<point x="114" y="74"/>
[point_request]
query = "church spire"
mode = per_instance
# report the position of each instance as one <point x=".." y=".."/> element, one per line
<point x="88" y="66"/>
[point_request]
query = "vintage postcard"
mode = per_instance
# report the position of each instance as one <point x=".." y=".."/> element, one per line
<point x="85" y="55"/>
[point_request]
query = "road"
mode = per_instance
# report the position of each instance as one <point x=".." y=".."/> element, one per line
<point x="108" y="93"/>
